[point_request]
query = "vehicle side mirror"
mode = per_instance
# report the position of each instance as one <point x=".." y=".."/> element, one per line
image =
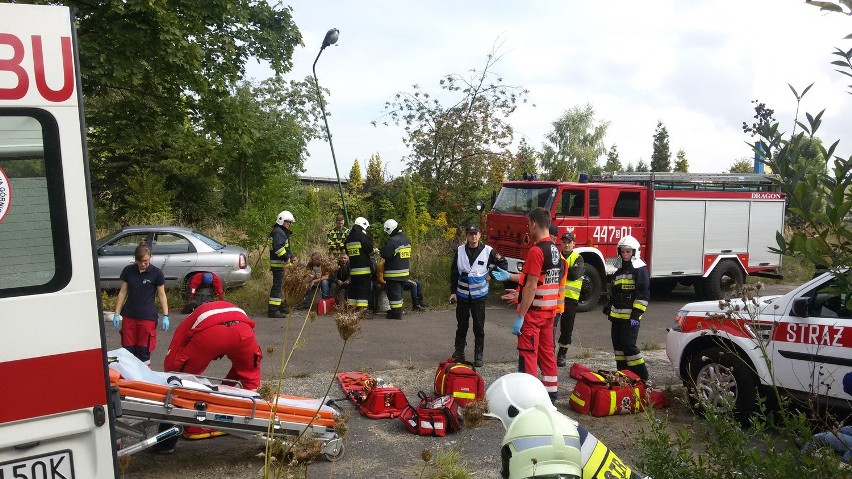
<point x="800" y="307"/>
<point x="102" y="251"/>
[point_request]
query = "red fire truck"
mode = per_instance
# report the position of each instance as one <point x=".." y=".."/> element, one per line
<point x="703" y="230"/>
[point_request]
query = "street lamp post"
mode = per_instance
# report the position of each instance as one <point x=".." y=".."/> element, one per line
<point x="330" y="39"/>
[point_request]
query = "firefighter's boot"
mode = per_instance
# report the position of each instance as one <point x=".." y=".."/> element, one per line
<point x="459" y="353"/>
<point x="561" y="360"/>
<point x="275" y="312"/>
<point x="477" y="355"/>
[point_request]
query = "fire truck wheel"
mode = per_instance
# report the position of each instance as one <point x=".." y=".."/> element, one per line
<point x="590" y="293"/>
<point x="722" y="281"/>
<point x="719" y="379"/>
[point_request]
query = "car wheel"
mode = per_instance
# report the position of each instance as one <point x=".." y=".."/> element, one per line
<point x="723" y="280"/>
<point x="590" y="292"/>
<point x="719" y="379"/>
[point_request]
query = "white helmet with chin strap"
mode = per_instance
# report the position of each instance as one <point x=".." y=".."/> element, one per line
<point x="285" y="216"/>
<point x="513" y="393"/>
<point x="362" y="222"/>
<point x="632" y="243"/>
<point x="390" y="225"/>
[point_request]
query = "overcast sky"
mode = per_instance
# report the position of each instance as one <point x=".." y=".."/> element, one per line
<point x="695" y="65"/>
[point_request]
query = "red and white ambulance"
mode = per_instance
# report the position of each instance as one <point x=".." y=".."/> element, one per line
<point x="704" y="230"/>
<point x="55" y="414"/>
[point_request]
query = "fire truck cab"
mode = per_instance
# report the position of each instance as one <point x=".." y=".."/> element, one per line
<point x="55" y="415"/>
<point x="703" y="230"/>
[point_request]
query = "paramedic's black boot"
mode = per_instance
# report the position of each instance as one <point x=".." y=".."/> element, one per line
<point x="561" y="361"/>
<point x="459" y="353"/>
<point x="477" y="355"/>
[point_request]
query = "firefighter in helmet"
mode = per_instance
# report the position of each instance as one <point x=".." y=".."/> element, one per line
<point x="540" y="442"/>
<point x="358" y="247"/>
<point x="572" y="279"/>
<point x="628" y="300"/>
<point x="280" y="256"/>
<point x="396" y="253"/>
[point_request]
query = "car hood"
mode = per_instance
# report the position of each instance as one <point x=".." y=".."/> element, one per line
<point x="764" y="303"/>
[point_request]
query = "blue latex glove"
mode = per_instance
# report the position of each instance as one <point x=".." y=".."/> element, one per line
<point x="116" y="321"/>
<point x="634" y="323"/>
<point x="165" y="322"/>
<point x="516" y="326"/>
<point x="500" y="274"/>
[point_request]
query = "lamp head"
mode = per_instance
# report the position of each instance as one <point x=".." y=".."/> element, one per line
<point x="331" y="37"/>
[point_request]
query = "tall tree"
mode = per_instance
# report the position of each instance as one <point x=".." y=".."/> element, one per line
<point x="661" y="158"/>
<point x="613" y="163"/>
<point x="641" y="167"/>
<point x="523" y="161"/>
<point x="375" y="173"/>
<point x="574" y="145"/>
<point x="743" y="165"/>
<point x="451" y="144"/>
<point x="156" y="72"/>
<point x="630" y="168"/>
<point x="355" y="183"/>
<point x="681" y="164"/>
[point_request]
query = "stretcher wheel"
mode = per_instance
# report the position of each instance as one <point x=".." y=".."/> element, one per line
<point x="334" y="457"/>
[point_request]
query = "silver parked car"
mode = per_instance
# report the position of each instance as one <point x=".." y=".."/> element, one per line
<point x="180" y="252"/>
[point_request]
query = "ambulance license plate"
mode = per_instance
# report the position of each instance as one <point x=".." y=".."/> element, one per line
<point x="55" y="465"/>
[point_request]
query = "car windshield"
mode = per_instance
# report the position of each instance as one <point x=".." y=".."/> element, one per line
<point x="208" y="241"/>
<point x="520" y="199"/>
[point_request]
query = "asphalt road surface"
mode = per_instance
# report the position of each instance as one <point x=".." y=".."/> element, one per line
<point x="406" y="352"/>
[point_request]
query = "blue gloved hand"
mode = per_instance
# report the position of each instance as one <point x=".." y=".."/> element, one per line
<point x="500" y="274"/>
<point x="116" y="321"/>
<point x="634" y="323"/>
<point x="516" y="326"/>
<point x="165" y="322"/>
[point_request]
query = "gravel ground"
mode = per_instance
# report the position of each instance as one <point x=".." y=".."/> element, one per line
<point x="383" y="448"/>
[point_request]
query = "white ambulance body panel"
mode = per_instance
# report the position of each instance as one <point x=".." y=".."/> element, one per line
<point x="54" y="417"/>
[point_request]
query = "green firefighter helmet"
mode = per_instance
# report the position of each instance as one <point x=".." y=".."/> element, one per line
<point x="542" y="443"/>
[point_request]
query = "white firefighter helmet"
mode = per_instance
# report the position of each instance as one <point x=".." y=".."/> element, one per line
<point x="285" y="216"/>
<point x="362" y="222"/>
<point x="541" y="442"/>
<point x="513" y="393"/>
<point x="632" y="243"/>
<point x="390" y="225"/>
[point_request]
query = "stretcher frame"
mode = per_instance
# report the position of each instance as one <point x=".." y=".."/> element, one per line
<point x="137" y="416"/>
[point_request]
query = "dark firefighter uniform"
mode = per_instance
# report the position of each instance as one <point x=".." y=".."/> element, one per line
<point x="535" y="343"/>
<point x="628" y="301"/>
<point x="280" y="255"/>
<point x="396" y="253"/>
<point x="358" y="247"/>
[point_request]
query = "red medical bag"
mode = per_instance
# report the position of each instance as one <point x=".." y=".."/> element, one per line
<point x="434" y="416"/>
<point x="606" y="393"/>
<point x="459" y="380"/>
<point x="325" y="306"/>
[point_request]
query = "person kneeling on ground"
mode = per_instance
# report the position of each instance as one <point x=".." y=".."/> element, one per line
<point x="213" y="330"/>
<point x="203" y="287"/>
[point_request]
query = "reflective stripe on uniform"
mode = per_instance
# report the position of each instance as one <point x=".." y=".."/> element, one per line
<point x="396" y="273"/>
<point x="359" y="271"/>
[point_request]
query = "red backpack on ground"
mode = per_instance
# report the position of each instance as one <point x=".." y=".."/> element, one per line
<point x="373" y="401"/>
<point x="434" y="416"/>
<point x="459" y="380"/>
<point x="606" y="393"/>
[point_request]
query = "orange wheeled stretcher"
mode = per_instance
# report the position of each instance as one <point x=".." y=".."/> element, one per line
<point x="148" y="398"/>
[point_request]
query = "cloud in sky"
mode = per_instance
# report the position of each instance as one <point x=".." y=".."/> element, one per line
<point x="693" y="65"/>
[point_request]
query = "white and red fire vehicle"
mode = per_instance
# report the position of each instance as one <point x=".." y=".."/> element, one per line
<point x="704" y="230"/>
<point x="800" y="342"/>
<point x="56" y="420"/>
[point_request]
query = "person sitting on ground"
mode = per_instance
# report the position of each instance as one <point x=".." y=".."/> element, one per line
<point x="318" y="280"/>
<point x="840" y="440"/>
<point x="416" y="289"/>
<point x="202" y="288"/>
<point x="339" y="282"/>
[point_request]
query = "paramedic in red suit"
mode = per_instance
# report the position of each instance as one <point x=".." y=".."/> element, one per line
<point x="213" y="330"/>
<point x="539" y="295"/>
<point x="206" y="278"/>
